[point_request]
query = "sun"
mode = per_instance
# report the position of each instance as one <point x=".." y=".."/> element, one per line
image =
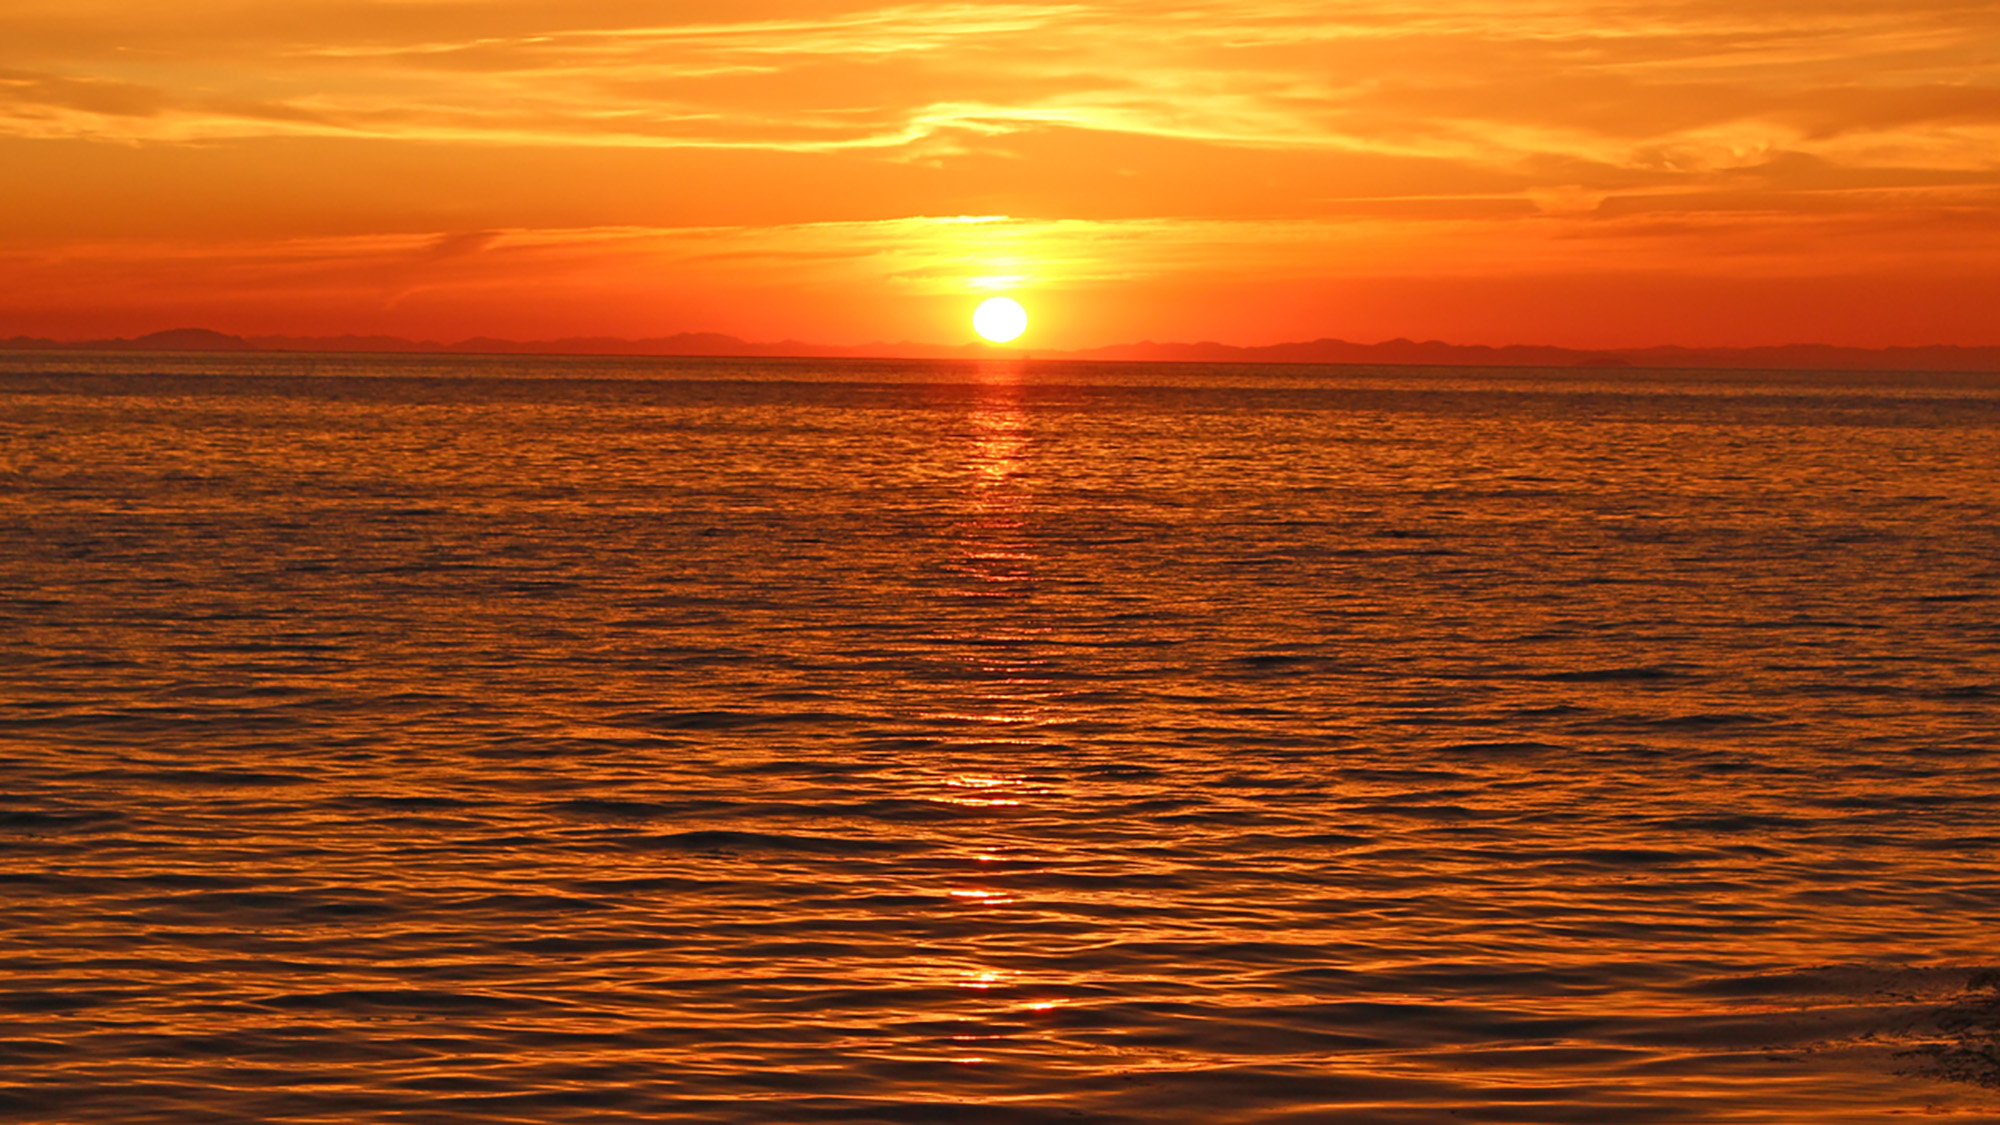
<point x="1000" y="319"/>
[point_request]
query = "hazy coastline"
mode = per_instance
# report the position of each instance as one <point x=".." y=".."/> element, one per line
<point x="1399" y="352"/>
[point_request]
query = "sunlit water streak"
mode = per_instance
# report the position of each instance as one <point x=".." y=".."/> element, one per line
<point x="617" y="741"/>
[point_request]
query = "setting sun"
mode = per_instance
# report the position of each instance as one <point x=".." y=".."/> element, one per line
<point x="1000" y="320"/>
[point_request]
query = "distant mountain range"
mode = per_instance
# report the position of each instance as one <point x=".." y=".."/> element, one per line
<point x="1945" y="357"/>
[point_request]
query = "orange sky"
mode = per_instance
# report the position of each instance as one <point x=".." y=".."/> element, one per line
<point x="1482" y="171"/>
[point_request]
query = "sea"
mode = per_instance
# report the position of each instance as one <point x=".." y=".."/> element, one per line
<point x="420" y="739"/>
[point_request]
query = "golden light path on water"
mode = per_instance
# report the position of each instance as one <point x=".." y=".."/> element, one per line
<point x="993" y="560"/>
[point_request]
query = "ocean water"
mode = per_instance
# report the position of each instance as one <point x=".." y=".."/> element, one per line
<point x="536" y="740"/>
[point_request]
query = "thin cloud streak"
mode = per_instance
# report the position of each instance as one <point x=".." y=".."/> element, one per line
<point x="958" y="255"/>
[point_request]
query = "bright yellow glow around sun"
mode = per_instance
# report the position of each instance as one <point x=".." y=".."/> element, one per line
<point x="1000" y="320"/>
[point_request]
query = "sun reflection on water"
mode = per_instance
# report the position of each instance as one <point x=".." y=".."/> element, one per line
<point x="995" y="675"/>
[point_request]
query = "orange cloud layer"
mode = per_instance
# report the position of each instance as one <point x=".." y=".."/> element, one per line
<point x="774" y="168"/>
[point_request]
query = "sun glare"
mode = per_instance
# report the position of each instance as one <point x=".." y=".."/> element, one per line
<point x="1000" y="319"/>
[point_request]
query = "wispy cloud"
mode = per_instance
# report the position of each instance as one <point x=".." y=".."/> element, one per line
<point x="1617" y="83"/>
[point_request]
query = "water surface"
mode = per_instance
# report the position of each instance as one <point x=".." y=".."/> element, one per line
<point x="438" y="740"/>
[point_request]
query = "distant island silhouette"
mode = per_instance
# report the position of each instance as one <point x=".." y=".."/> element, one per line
<point x="1938" y="357"/>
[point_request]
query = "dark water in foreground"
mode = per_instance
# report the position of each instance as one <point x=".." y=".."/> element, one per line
<point x="392" y="740"/>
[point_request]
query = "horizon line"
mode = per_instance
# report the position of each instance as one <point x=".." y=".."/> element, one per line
<point x="1400" y="351"/>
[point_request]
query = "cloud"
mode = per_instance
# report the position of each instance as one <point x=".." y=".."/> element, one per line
<point x="1474" y="81"/>
<point x="21" y="90"/>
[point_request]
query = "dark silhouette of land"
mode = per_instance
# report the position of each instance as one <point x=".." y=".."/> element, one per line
<point x="1943" y="357"/>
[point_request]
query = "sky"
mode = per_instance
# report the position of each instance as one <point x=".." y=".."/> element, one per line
<point x="1593" y="174"/>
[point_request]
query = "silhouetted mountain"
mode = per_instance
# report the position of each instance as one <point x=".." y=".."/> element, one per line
<point x="1440" y="354"/>
<point x="1388" y="353"/>
<point x="192" y="340"/>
